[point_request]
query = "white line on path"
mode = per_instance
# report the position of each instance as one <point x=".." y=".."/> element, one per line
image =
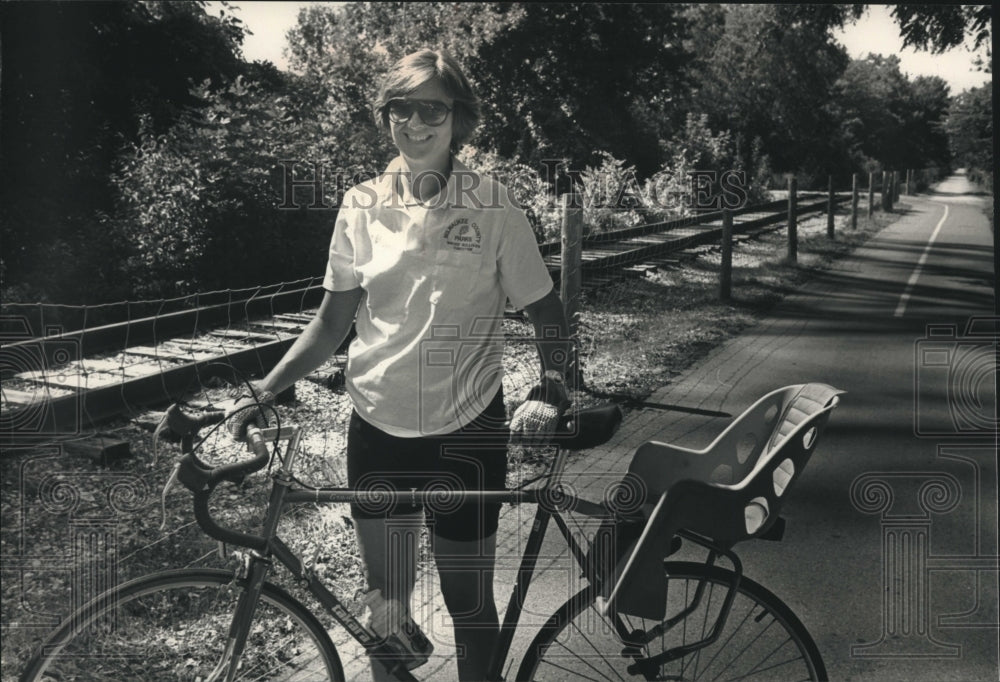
<point x="920" y="264"/>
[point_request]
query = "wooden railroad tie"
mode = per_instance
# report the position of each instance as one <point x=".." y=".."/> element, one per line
<point x="101" y="448"/>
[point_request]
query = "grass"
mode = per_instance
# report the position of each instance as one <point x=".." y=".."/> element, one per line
<point x="634" y="337"/>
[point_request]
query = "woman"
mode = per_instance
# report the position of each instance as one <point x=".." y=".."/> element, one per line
<point x="425" y="257"/>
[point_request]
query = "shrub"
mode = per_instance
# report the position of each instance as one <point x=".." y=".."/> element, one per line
<point x="612" y="196"/>
<point x="203" y="207"/>
<point x="527" y="187"/>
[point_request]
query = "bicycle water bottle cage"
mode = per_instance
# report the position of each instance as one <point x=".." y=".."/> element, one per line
<point x="728" y="492"/>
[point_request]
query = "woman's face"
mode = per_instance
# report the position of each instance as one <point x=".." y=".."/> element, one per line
<point x="426" y="146"/>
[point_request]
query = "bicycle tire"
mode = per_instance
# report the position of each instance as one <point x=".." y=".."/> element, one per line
<point x="762" y="638"/>
<point x="173" y="626"/>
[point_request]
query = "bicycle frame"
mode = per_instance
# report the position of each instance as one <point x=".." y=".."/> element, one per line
<point x="549" y="499"/>
<point x="284" y="492"/>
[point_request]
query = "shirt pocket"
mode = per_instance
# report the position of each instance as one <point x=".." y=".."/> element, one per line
<point x="457" y="274"/>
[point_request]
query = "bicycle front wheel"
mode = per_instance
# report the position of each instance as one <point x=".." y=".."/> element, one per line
<point x="762" y="638"/>
<point x="174" y="626"/>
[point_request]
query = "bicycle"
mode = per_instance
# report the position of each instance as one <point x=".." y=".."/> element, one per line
<point x="639" y="615"/>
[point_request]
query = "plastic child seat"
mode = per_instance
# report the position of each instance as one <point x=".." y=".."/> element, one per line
<point x="728" y="492"/>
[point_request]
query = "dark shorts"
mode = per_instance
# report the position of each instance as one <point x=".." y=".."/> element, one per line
<point x="472" y="458"/>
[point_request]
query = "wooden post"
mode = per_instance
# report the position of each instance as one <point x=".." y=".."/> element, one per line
<point x="572" y="248"/>
<point x="885" y="192"/>
<point x="908" y="190"/>
<point x="895" y="187"/>
<point x="793" y="238"/>
<point x="871" y="194"/>
<point x="854" y="201"/>
<point x="726" y="272"/>
<point x="829" y="206"/>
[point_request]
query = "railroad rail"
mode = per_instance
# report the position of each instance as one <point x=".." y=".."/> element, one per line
<point x="56" y="385"/>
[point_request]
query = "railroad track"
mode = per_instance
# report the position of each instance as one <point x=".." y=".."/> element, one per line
<point x="60" y="384"/>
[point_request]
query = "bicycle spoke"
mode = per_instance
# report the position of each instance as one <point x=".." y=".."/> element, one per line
<point x="595" y="649"/>
<point x="175" y="625"/>
<point x="577" y="675"/>
<point x="751" y="643"/>
<point x="725" y="643"/>
<point x="744" y="676"/>
<point x="704" y="629"/>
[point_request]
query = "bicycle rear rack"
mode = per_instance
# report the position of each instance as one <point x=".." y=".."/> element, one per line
<point x="634" y="640"/>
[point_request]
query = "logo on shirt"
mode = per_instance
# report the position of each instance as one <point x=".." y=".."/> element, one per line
<point x="462" y="235"/>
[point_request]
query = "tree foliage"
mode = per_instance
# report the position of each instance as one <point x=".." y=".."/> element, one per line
<point x="208" y="204"/>
<point x="970" y="132"/>
<point x="77" y="79"/>
<point x="885" y="118"/>
<point x="143" y="156"/>
<point x="607" y="89"/>
<point x="942" y="27"/>
<point x="766" y="76"/>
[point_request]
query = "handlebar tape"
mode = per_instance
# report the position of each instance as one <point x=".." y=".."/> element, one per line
<point x="202" y="481"/>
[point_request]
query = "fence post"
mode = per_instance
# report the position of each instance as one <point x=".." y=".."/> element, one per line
<point x="726" y="272"/>
<point x="829" y="206"/>
<point x="854" y="201"/>
<point x="908" y="190"/>
<point x="570" y="276"/>
<point x="895" y="187"/>
<point x="793" y="238"/>
<point x="871" y="194"/>
<point x="885" y="192"/>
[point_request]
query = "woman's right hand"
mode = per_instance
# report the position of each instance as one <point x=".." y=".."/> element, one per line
<point x="249" y="408"/>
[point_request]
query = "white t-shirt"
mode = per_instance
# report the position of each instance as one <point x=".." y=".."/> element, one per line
<point x="436" y="276"/>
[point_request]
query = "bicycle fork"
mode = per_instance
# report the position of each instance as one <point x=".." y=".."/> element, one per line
<point x="253" y="572"/>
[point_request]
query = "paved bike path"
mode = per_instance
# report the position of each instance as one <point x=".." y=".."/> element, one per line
<point x="923" y="477"/>
<point x="879" y="608"/>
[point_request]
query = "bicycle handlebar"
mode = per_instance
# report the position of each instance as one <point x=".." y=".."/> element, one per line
<point x="202" y="480"/>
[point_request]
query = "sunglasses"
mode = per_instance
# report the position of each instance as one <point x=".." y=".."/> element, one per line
<point x="432" y="112"/>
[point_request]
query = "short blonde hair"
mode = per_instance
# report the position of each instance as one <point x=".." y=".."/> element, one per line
<point x="415" y="69"/>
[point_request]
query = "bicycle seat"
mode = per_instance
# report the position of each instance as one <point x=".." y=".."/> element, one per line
<point x="728" y="492"/>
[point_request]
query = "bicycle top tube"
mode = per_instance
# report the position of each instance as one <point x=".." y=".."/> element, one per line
<point x="584" y="428"/>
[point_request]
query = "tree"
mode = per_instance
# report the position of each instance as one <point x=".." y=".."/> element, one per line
<point x="887" y="120"/>
<point x="869" y="102"/>
<point x="927" y="107"/>
<point x="612" y="88"/>
<point x="208" y="204"/>
<point x="76" y="79"/>
<point x="970" y="132"/>
<point x="608" y="89"/>
<point x="942" y="27"/>
<point x="939" y="28"/>
<point x="768" y="77"/>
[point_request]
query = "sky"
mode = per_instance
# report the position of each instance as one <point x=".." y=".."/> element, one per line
<point x="875" y="33"/>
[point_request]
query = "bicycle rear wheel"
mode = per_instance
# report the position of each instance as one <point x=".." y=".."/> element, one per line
<point x="762" y="638"/>
<point x="174" y="626"/>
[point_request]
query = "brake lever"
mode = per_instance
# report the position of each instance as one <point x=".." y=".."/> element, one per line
<point x="171" y="481"/>
<point x="160" y="428"/>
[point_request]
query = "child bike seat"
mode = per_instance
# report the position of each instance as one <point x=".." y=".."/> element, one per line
<point x="728" y="492"/>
